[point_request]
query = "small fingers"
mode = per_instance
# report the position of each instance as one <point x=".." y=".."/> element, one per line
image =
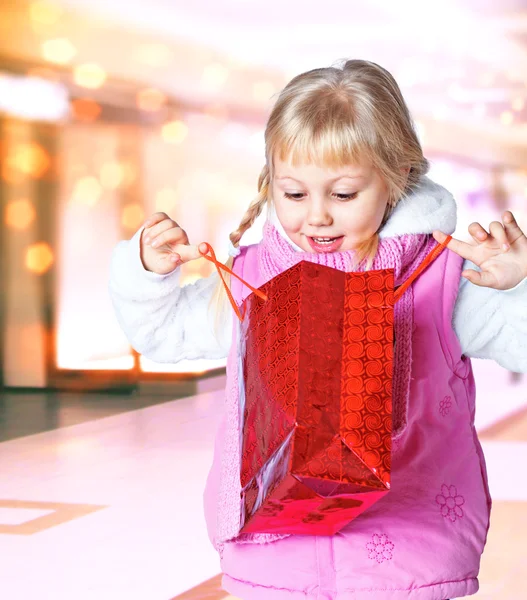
<point x="477" y="232"/>
<point x="512" y="228"/>
<point x="150" y="233"/>
<point x="463" y="249"/>
<point x="172" y="235"/>
<point x="155" y="218"/>
<point x="498" y="233"/>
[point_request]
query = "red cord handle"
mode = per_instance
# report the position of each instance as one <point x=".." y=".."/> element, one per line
<point x="221" y="267"/>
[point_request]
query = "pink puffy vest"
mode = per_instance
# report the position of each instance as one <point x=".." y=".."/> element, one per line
<point x="424" y="540"/>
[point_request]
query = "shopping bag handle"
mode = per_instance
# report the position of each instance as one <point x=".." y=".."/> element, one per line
<point x="397" y="294"/>
<point x="429" y="258"/>
<point x="221" y="267"/>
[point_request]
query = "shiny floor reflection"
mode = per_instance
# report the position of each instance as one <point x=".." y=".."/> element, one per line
<point x="111" y="508"/>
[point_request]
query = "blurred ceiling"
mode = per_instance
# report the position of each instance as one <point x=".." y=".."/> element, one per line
<point x="459" y="62"/>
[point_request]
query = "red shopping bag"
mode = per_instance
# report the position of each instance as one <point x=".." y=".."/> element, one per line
<point x="317" y="368"/>
<point x="316" y="347"/>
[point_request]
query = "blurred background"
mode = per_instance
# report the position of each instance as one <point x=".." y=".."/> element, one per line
<point x="110" y="111"/>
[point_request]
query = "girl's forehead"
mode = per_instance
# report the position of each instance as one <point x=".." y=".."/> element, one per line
<point x="311" y="171"/>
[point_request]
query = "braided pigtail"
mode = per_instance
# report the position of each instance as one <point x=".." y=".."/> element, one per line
<point x="218" y="302"/>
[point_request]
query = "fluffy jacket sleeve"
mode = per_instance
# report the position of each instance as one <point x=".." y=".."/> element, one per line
<point x="492" y="323"/>
<point x="162" y="320"/>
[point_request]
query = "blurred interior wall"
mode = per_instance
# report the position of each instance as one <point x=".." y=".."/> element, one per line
<point x="28" y="196"/>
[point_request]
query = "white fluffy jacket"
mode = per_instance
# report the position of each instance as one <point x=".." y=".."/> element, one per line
<point x="168" y="323"/>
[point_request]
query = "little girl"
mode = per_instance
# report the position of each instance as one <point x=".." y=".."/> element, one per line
<point x="345" y="186"/>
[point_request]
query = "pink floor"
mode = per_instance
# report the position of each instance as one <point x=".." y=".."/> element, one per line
<point x="135" y="480"/>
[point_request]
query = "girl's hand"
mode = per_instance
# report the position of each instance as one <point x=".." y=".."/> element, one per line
<point x="501" y="254"/>
<point x="164" y="245"/>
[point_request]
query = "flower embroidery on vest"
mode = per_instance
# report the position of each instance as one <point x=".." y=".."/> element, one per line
<point x="380" y="548"/>
<point x="445" y="405"/>
<point x="450" y="502"/>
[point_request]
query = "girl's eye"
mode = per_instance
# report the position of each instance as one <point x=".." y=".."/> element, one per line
<point x="346" y="196"/>
<point x="299" y="196"/>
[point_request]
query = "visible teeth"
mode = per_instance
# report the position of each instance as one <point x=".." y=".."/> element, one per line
<point x="324" y="240"/>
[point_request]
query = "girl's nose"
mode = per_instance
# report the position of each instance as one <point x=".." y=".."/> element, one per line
<point x="319" y="216"/>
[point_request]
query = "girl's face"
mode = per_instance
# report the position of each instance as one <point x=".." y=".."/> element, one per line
<point x="323" y="210"/>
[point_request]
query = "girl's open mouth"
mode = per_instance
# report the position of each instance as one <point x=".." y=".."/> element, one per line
<point x="325" y="244"/>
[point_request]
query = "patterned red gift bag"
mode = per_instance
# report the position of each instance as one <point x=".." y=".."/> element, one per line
<point x="317" y="367"/>
<point x="316" y="396"/>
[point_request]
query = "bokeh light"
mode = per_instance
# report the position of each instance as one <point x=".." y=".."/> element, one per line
<point x="86" y="109"/>
<point x="90" y="75"/>
<point x="45" y="13"/>
<point x="87" y="191"/>
<point x="29" y="159"/>
<point x="111" y="175"/>
<point x="132" y="217"/>
<point x="19" y="214"/>
<point x="39" y="258"/>
<point x="174" y="132"/>
<point x="60" y="51"/>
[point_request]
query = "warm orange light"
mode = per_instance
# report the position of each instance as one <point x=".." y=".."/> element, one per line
<point x="151" y="99"/>
<point x="89" y="75"/>
<point x="129" y="173"/>
<point x="174" y="132"/>
<point x="86" y="109"/>
<point x="43" y="73"/>
<point x="132" y="217"/>
<point x="30" y="159"/>
<point x="59" y="51"/>
<point x="112" y="175"/>
<point x="39" y="258"/>
<point x="45" y="13"/>
<point x="19" y="214"/>
<point x="87" y="191"/>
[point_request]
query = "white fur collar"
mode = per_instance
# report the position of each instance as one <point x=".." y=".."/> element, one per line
<point x="428" y="207"/>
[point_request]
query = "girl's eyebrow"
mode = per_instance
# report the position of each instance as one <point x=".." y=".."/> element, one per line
<point x="330" y="181"/>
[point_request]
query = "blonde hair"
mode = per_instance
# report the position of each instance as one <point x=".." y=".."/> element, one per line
<point x="332" y="117"/>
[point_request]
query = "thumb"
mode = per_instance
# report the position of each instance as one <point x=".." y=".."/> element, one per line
<point x="480" y="278"/>
<point x="186" y="252"/>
